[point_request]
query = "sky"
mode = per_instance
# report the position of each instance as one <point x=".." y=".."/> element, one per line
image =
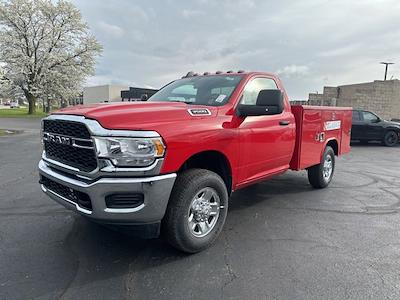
<point x="308" y="43"/>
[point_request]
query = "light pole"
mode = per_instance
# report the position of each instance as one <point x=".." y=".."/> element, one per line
<point x="386" y="67"/>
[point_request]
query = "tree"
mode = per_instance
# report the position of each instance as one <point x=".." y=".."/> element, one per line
<point x="5" y="86"/>
<point x="45" y="48"/>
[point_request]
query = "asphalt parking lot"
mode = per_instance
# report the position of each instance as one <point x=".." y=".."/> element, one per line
<point x="282" y="239"/>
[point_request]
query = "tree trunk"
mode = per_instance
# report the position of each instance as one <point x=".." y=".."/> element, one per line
<point x="32" y="102"/>
<point x="48" y="105"/>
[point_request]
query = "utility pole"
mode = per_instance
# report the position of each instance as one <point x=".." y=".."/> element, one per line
<point x="386" y="67"/>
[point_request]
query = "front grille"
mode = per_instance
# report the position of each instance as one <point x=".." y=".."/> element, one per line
<point x="82" y="158"/>
<point x="80" y="198"/>
<point x="68" y="128"/>
<point x="124" y="200"/>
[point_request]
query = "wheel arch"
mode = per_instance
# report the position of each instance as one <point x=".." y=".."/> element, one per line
<point x="392" y="128"/>
<point x="332" y="143"/>
<point x="212" y="160"/>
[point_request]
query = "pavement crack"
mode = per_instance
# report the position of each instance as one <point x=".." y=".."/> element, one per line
<point x="231" y="273"/>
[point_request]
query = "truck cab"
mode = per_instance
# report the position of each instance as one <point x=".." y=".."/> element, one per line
<point x="169" y="165"/>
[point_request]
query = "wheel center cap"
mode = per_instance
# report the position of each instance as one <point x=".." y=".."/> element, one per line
<point x="201" y="210"/>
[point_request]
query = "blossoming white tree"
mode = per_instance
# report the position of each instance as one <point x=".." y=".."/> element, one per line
<point x="45" y="48"/>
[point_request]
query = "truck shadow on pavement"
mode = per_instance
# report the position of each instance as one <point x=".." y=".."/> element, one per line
<point x="253" y="195"/>
<point x="97" y="252"/>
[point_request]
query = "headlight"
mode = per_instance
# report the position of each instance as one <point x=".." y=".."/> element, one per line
<point x="130" y="152"/>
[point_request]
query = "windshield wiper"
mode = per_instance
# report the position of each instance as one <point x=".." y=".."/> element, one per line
<point x="187" y="102"/>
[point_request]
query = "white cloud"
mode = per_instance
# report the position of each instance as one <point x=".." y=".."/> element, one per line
<point x="110" y="30"/>
<point x="190" y="13"/>
<point x="293" y="71"/>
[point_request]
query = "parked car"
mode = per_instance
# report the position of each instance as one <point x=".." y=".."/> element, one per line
<point x="367" y="126"/>
<point x="172" y="162"/>
<point x="14" y="104"/>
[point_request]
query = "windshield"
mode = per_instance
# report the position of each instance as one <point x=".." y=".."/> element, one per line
<point x="212" y="90"/>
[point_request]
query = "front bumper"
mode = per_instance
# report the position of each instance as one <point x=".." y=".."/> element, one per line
<point x="156" y="191"/>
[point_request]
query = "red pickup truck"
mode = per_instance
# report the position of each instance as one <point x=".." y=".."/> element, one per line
<point x="169" y="165"/>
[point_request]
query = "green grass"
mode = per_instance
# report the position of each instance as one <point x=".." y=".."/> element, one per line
<point x="2" y="132"/>
<point x="20" y="113"/>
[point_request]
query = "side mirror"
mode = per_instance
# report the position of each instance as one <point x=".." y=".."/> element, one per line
<point x="269" y="102"/>
<point x="144" y="97"/>
<point x="377" y="120"/>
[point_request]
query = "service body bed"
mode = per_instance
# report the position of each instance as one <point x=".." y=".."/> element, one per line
<point x="316" y="127"/>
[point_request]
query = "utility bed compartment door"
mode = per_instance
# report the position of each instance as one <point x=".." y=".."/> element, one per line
<point x="315" y="127"/>
<point x="308" y="147"/>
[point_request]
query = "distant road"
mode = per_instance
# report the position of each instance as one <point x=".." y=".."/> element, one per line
<point x="20" y="123"/>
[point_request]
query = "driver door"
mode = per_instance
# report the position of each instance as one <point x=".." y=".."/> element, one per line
<point x="266" y="142"/>
<point x="371" y="125"/>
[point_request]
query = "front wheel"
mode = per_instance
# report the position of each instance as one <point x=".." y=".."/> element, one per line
<point x="321" y="175"/>
<point x="196" y="211"/>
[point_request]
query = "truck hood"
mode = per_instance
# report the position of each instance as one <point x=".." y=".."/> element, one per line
<point x="138" y="115"/>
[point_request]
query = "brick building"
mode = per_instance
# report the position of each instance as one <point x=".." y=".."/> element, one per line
<point x="381" y="97"/>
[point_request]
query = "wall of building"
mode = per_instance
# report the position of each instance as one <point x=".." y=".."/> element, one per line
<point x="95" y="94"/>
<point x="102" y="93"/>
<point x="114" y="92"/>
<point x="381" y="97"/>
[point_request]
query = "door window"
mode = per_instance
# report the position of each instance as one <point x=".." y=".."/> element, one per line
<point x="254" y="87"/>
<point x="356" y="115"/>
<point x="369" y="117"/>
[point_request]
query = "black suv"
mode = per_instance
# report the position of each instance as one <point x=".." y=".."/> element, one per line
<point x="367" y="126"/>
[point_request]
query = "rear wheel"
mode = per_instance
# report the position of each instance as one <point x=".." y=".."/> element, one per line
<point x="391" y="138"/>
<point x="321" y="175"/>
<point x="196" y="211"/>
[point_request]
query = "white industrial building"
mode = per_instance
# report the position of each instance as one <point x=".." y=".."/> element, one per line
<point x="103" y="93"/>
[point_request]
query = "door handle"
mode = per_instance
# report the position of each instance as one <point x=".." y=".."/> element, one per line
<point x="284" y="123"/>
